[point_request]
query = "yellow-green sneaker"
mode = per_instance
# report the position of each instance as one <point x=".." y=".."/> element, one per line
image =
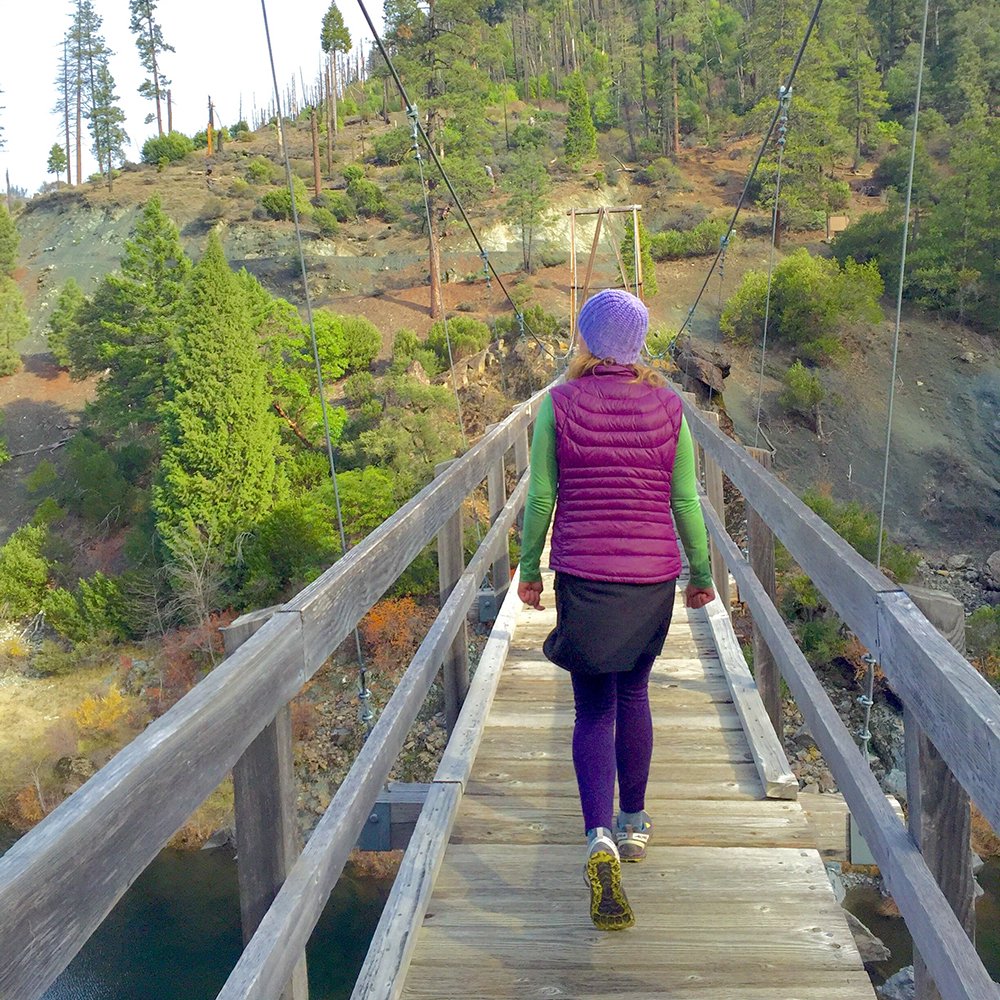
<point x="609" y="907"/>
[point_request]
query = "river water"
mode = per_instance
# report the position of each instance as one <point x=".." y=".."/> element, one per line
<point x="175" y="935"/>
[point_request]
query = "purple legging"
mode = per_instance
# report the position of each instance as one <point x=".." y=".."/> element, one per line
<point x="614" y="732"/>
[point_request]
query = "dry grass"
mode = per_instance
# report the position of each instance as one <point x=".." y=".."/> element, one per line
<point x="30" y="712"/>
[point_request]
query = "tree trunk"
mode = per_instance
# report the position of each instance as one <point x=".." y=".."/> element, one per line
<point x="170" y="111"/>
<point x="69" y="168"/>
<point x="328" y="87"/>
<point x="333" y="90"/>
<point x="79" y="114"/>
<point x="156" y="76"/>
<point x="314" y="128"/>
<point x="434" y="267"/>
<point x="676" y="98"/>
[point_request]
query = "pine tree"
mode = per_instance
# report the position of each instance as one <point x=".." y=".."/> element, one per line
<point x="149" y="41"/>
<point x="65" y="319"/>
<point x="57" y="160"/>
<point x="334" y="38"/>
<point x="219" y="475"/>
<point x="528" y="184"/>
<point x="106" y="119"/>
<point x="128" y="328"/>
<point x="13" y="324"/>
<point x="10" y="239"/>
<point x="581" y="135"/>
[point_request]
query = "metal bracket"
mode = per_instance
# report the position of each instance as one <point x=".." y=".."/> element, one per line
<point x="376" y="834"/>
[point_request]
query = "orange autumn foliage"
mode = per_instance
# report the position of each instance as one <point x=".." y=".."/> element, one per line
<point x="392" y="631"/>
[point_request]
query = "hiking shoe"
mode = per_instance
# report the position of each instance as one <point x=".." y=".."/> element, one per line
<point x="632" y="839"/>
<point x="609" y="908"/>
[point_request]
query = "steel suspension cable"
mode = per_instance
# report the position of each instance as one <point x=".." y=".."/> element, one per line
<point x="411" y="113"/>
<point x="784" y="99"/>
<point x="867" y="700"/>
<point x="756" y="164"/>
<point x="364" y="694"/>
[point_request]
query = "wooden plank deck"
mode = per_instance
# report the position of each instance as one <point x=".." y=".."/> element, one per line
<point x="733" y="902"/>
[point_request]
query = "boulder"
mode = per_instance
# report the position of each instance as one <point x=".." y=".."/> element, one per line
<point x="993" y="567"/>
<point x="900" y="986"/>
<point x="895" y="783"/>
<point x="707" y="367"/>
<point x="960" y="561"/>
<point x="870" y="947"/>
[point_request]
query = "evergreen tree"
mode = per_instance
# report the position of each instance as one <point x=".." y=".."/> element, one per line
<point x="57" y="160"/>
<point x="13" y="324"/>
<point x="528" y="184"/>
<point x="149" y="41"/>
<point x="128" y="327"/>
<point x="10" y="240"/>
<point x="334" y="36"/>
<point x="65" y="319"/>
<point x="219" y="475"/>
<point x="106" y="119"/>
<point x="581" y="135"/>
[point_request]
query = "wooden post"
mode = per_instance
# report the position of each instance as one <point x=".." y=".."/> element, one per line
<point x="522" y="453"/>
<point x="637" y="250"/>
<point x="573" y="310"/>
<point x="496" y="488"/>
<point x="713" y="487"/>
<point x="267" y="836"/>
<point x="938" y="806"/>
<point x="451" y="565"/>
<point x="210" y="129"/>
<point x="314" y="128"/>
<point x="170" y="111"/>
<point x="593" y="254"/>
<point x="761" y="545"/>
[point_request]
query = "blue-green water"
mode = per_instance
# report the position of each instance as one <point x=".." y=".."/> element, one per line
<point x="175" y="935"/>
<point x="865" y="904"/>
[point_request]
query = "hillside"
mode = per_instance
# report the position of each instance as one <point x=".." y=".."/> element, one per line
<point x="945" y="469"/>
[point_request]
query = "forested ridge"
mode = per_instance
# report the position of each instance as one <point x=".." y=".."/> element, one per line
<point x="200" y="463"/>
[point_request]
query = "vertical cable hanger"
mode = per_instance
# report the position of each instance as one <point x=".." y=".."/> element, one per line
<point x="365" y="713"/>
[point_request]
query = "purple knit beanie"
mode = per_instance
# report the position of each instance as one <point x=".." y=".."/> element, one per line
<point x="613" y="324"/>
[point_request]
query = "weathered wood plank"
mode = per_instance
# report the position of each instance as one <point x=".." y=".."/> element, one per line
<point x="717" y="500"/>
<point x="847" y="580"/>
<point x="451" y="565"/>
<point x="496" y="492"/>
<point x="768" y="754"/>
<point x="268" y="959"/>
<point x="760" y="542"/>
<point x="267" y="834"/>
<point x="384" y="969"/>
<point x="95" y="844"/>
<point x="936" y="932"/>
<point x="955" y="705"/>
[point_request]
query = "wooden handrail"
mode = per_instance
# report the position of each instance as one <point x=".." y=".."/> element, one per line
<point x="954" y="704"/>
<point x="92" y="847"/>
<point x="942" y="940"/>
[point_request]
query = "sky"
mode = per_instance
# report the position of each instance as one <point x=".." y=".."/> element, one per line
<point x="221" y="51"/>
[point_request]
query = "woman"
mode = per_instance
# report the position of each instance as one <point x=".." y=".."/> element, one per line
<point x="612" y="445"/>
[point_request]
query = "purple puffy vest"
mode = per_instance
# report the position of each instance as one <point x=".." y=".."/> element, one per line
<point x="615" y="445"/>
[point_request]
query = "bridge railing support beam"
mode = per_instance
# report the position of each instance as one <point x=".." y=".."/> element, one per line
<point x="267" y="836"/>
<point x="760" y="540"/>
<point x="938" y="806"/>
<point x="451" y="565"/>
<point x="496" y="487"/>
<point x="716" y="497"/>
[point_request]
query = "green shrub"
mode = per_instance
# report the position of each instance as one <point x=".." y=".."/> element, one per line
<point x="551" y="257"/>
<point x="525" y="136"/>
<point x="339" y="204"/>
<point x="42" y="478"/>
<point x="676" y="244"/>
<point x="261" y="170"/>
<point x="171" y="147"/>
<point x="278" y="203"/>
<point x="10" y="361"/>
<point x="93" y="487"/>
<point x="367" y="195"/>
<point x="326" y="222"/>
<point x="467" y="336"/>
<point x="982" y="632"/>
<point x="24" y="572"/>
<point x="407" y="348"/>
<point x="662" y="171"/>
<point x="859" y="528"/>
<point x="392" y="147"/>
<point x="811" y="300"/>
<point x="803" y="389"/>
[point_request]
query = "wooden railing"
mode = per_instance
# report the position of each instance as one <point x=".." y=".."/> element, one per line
<point x="60" y="880"/>
<point x="948" y="704"/>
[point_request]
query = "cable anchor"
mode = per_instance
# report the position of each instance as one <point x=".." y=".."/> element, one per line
<point x="486" y="268"/>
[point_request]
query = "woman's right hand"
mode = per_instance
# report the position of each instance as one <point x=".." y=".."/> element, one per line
<point x="531" y="594"/>
<point x="698" y="597"/>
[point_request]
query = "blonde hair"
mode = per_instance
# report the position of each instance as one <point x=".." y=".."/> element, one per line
<point x="584" y="363"/>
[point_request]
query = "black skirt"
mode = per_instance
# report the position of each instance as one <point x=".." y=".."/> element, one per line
<point x="604" y="628"/>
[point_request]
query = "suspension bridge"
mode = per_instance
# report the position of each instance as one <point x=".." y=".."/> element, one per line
<point x="733" y="901"/>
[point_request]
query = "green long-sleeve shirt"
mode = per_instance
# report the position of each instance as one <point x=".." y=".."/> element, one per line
<point x="542" y="490"/>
